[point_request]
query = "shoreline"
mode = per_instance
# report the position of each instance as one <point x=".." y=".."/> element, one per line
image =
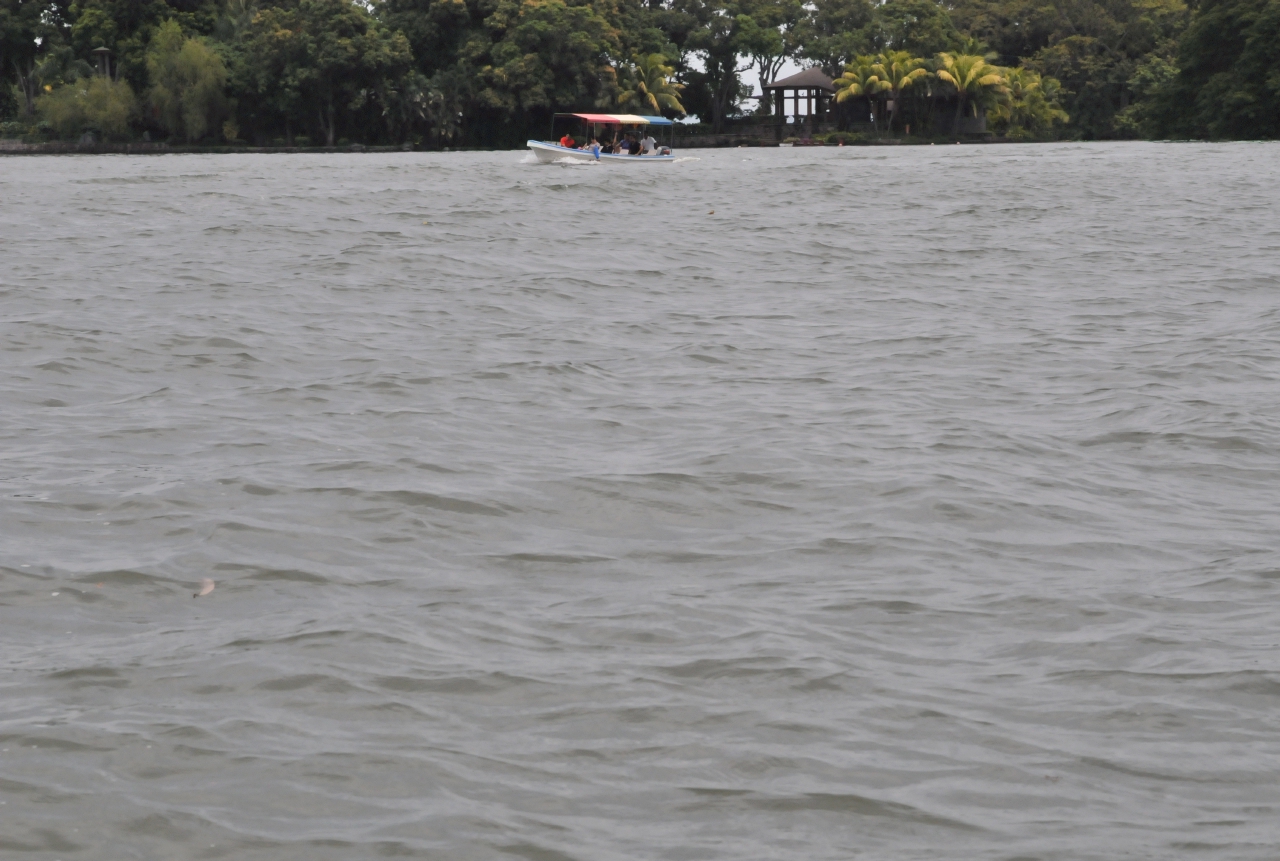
<point x="12" y="147"/>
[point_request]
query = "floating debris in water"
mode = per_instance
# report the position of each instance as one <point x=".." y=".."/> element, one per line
<point x="206" y="586"/>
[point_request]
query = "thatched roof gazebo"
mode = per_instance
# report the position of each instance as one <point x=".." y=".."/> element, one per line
<point x="811" y="88"/>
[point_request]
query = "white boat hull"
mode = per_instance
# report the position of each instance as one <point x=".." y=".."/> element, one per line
<point x="555" y="154"/>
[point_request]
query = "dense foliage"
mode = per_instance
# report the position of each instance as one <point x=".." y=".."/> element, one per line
<point x="490" y="72"/>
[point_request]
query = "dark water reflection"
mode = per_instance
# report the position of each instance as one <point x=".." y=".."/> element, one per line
<point x="918" y="503"/>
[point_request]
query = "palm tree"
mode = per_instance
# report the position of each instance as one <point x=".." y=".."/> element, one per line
<point x="1032" y="104"/>
<point x="897" y="70"/>
<point x="860" y="79"/>
<point x="653" y="88"/>
<point x="976" y="82"/>
<point x="973" y="45"/>
<point x="1052" y="90"/>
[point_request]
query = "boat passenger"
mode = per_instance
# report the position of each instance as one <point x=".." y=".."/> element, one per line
<point x="594" y="146"/>
<point x="648" y="146"/>
<point x="633" y="145"/>
<point x="568" y="142"/>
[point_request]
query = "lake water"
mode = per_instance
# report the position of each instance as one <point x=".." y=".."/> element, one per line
<point x="881" y="503"/>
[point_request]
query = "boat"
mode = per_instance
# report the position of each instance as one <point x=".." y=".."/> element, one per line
<point x="551" y="152"/>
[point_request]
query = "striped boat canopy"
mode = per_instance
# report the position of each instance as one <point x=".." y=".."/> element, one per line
<point x="620" y="119"/>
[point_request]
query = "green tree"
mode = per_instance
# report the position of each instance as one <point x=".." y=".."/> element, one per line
<point x="768" y="33"/>
<point x="489" y="71"/>
<point x="1093" y="47"/>
<point x="126" y="27"/>
<point x="1152" y="84"/>
<point x="922" y="28"/>
<point x="320" y="62"/>
<point x="441" y="33"/>
<point x="860" y="80"/>
<point x="835" y="32"/>
<point x="29" y="32"/>
<point x="507" y="64"/>
<point x="94" y="103"/>
<point x="717" y="91"/>
<point x="897" y="71"/>
<point x="977" y="84"/>
<point x="58" y="66"/>
<point x="187" y="83"/>
<point x="1228" y="79"/>
<point x="267" y="74"/>
<point x="353" y="59"/>
<point x="419" y="108"/>
<point x="1031" y="109"/>
<point x="544" y="55"/>
<point x="651" y="87"/>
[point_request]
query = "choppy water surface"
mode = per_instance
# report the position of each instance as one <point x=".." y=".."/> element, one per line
<point x="917" y="503"/>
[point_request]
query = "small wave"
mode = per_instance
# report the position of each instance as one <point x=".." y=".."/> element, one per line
<point x="867" y="542"/>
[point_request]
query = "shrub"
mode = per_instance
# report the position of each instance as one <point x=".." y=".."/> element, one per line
<point x="89" y="104"/>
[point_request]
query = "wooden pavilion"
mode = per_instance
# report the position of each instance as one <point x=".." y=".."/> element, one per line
<point x="810" y="88"/>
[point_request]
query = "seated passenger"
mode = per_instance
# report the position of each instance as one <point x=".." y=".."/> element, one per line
<point x="648" y="146"/>
<point x="633" y="145"/>
<point x="568" y="141"/>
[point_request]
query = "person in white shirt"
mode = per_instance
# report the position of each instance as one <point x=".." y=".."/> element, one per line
<point x="648" y="146"/>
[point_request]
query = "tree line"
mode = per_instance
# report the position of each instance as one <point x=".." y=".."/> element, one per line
<point x="1016" y="103"/>
<point x="491" y="72"/>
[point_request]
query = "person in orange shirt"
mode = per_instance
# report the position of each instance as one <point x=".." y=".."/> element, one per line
<point x="568" y="141"/>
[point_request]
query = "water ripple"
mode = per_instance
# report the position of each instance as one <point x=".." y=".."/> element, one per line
<point x="918" y="503"/>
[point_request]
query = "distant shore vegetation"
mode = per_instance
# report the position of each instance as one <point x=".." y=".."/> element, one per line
<point x="437" y="73"/>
